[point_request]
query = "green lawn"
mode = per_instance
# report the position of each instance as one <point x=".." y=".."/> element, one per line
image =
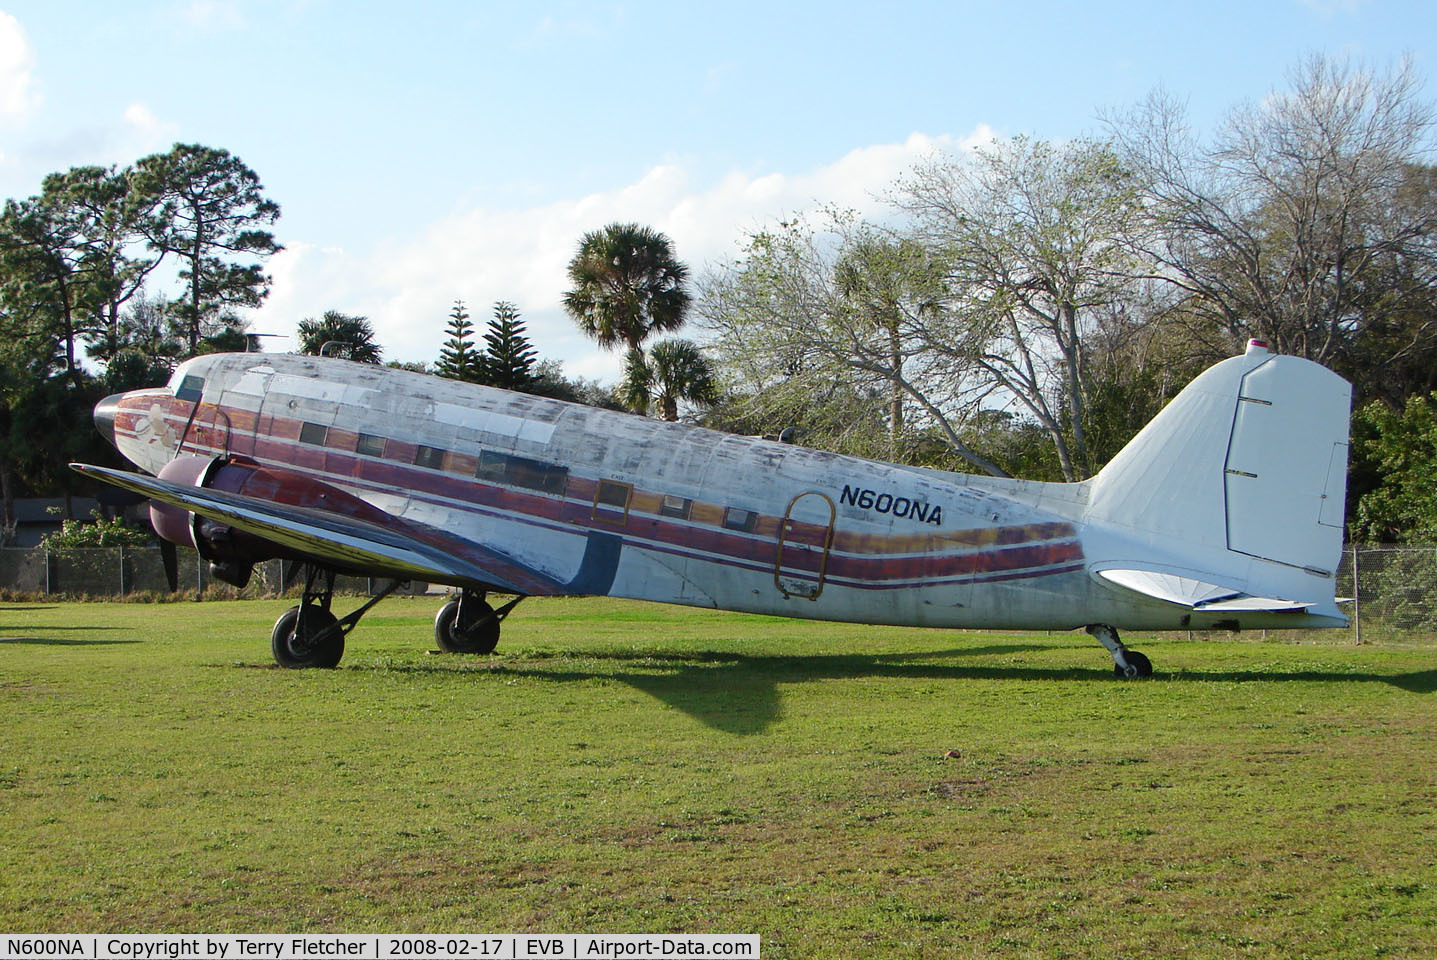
<point x="618" y="767"/>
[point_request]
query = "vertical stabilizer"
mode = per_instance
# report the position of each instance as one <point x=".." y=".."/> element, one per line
<point x="1251" y="457"/>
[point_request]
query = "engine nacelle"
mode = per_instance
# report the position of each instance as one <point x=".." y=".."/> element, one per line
<point x="232" y="553"/>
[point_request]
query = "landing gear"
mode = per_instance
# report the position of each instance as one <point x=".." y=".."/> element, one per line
<point x="468" y="624"/>
<point x="309" y="635"/>
<point x="1127" y="664"/>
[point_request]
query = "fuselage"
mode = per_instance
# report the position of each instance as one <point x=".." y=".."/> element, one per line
<point x="609" y="503"/>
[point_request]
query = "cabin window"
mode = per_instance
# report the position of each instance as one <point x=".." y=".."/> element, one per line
<point x="544" y="477"/>
<point x="191" y="387"/>
<point x="369" y="445"/>
<point x="736" y="519"/>
<point x="431" y="458"/>
<point x="522" y="472"/>
<point x="678" y="507"/>
<point x="491" y="466"/>
<point x="314" y="433"/>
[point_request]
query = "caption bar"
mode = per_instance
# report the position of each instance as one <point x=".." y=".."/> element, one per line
<point x="329" y="946"/>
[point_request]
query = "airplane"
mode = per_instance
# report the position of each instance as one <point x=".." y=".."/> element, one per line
<point x="1225" y="512"/>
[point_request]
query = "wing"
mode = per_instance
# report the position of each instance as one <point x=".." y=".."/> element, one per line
<point x="402" y="548"/>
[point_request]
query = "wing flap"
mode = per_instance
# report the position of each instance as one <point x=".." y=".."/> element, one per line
<point x="403" y="549"/>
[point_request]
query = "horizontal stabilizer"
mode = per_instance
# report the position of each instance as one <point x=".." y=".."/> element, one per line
<point x="1197" y="594"/>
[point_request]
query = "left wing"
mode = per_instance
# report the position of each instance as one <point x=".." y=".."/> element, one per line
<point x="397" y="548"/>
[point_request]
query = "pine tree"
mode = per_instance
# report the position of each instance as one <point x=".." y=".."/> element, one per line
<point x="458" y="360"/>
<point x="508" y="359"/>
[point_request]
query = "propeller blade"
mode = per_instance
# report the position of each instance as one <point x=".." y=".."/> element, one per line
<point x="169" y="556"/>
<point x="289" y="573"/>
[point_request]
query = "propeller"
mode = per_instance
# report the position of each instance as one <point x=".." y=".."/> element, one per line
<point x="170" y="557"/>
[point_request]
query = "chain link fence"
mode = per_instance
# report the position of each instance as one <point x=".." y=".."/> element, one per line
<point x="140" y="572"/>
<point x="1392" y="590"/>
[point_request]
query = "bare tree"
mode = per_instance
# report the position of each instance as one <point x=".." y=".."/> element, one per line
<point x="806" y="311"/>
<point x="1035" y="238"/>
<point x="1282" y="225"/>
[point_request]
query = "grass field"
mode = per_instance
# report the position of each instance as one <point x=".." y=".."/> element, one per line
<point x="617" y="767"/>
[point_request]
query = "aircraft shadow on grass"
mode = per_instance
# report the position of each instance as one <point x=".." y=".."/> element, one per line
<point x="740" y="693"/>
<point x="64" y="641"/>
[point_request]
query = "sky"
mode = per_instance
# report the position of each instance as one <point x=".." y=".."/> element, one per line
<point x="423" y="152"/>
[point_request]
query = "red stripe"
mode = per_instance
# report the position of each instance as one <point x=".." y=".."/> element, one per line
<point x="855" y="557"/>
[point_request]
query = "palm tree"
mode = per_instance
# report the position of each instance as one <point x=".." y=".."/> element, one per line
<point x="626" y="285"/>
<point x="674" y="370"/>
<point x="355" y="333"/>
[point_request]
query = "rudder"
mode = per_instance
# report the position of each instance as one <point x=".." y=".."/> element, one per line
<point x="1251" y="457"/>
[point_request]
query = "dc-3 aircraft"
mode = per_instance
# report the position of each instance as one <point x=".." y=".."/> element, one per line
<point x="1225" y="512"/>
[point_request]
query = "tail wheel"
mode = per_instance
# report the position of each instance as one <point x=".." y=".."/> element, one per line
<point x="1139" y="666"/>
<point x="466" y="626"/>
<point x="307" y="636"/>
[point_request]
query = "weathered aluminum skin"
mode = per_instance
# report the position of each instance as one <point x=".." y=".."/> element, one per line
<point x="608" y="503"/>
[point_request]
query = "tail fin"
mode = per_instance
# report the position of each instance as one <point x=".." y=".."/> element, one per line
<point x="1251" y="457"/>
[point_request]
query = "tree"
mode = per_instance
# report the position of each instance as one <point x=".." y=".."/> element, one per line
<point x="211" y="214"/>
<point x="508" y="357"/>
<point x="116" y="212"/>
<point x="74" y="255"/>
<point x="1034" y="239"/>
<point x="95" y="532"/>
<point x="888" y="282"/>
<point x="787" y="329"/>
<point x="549" y="381"/>
<point x="458" y="360"/>
<point x="354" y="334"/>
<point x="834" y="416"/>
<point x="1293" y="223"/>
<point x="674" y="371"/>
<point x="43" y="275"/>
<point x="73" y="263"/>
<point x="44" y="418"/>
<point x="147" y="333"/>
<point x="1394" y="458"/>
<point x="627" y="285"/>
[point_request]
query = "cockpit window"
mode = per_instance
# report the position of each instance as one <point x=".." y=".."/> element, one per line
<point x="190" y="388"/>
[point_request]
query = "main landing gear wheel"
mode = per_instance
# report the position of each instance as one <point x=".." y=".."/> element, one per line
<point x="307" y="636"/>
<point x="1127" y="664"/>
<point x="466" y="624"/>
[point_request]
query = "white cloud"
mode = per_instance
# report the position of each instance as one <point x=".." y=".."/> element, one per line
<point x="144" y="132"/>
<point x="17" y="60"/>
<point x="483" y="255"/>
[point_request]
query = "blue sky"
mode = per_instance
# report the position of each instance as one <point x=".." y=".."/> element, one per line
<point x="428" y="151"/>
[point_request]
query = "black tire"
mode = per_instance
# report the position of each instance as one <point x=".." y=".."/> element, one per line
<point x="293" y="642"/>
<point x="478" y="634"/>
<point x="1140" y="664"/>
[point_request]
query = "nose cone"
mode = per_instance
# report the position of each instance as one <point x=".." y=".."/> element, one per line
<point x="105" y="412"/>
